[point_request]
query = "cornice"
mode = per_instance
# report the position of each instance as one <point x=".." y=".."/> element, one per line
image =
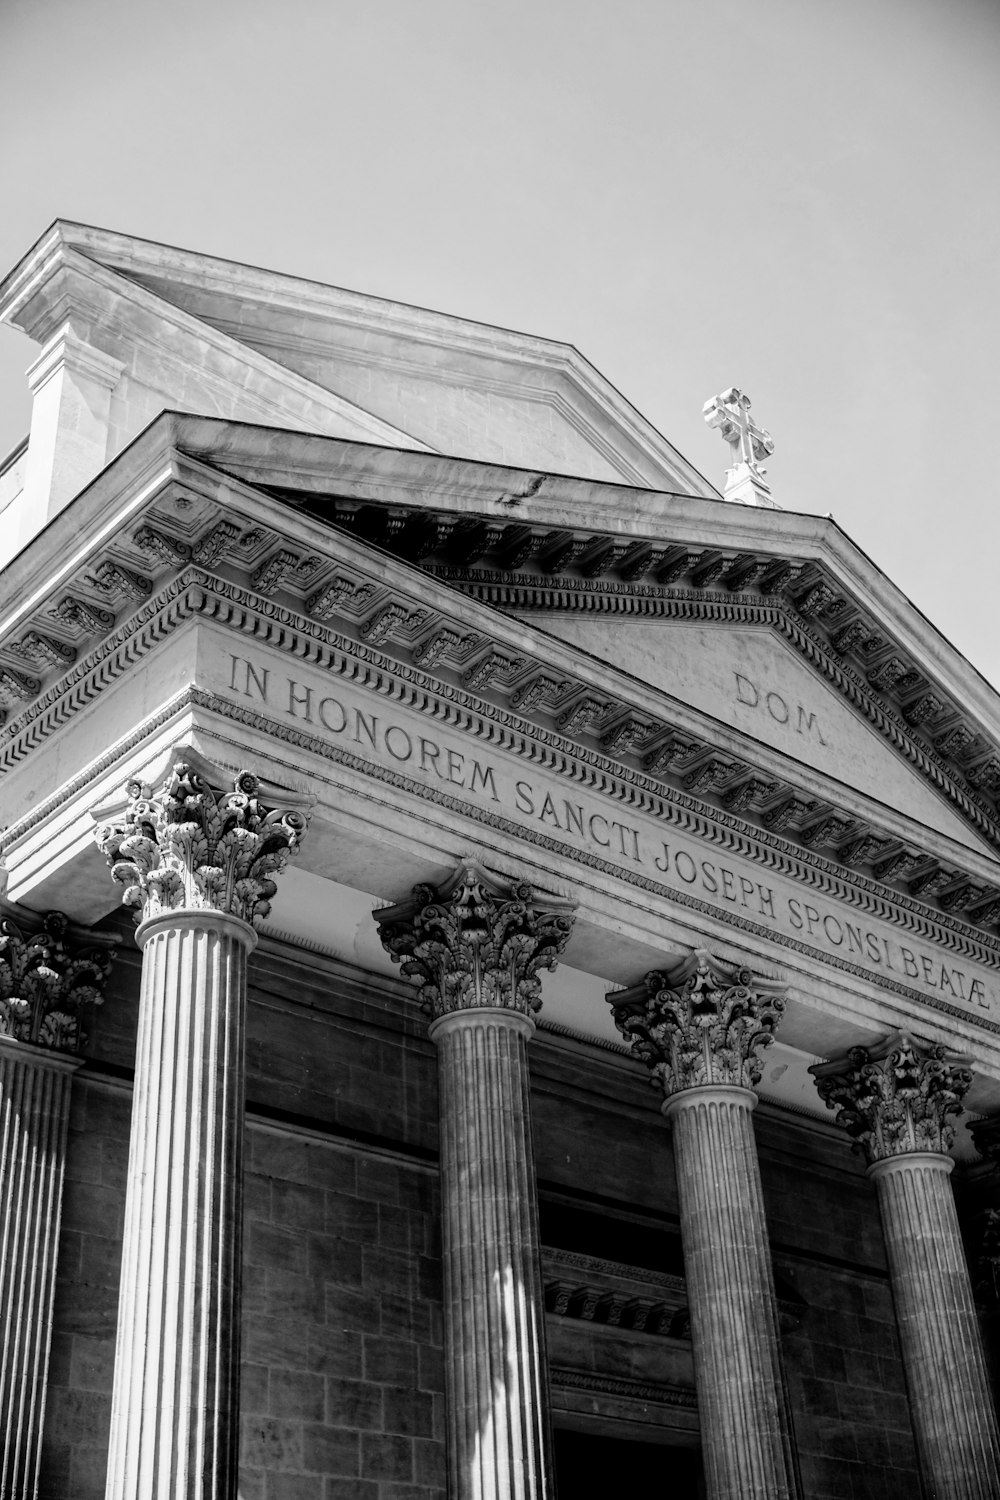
<point x="196" y="592"/>
<point x="147" y="575"/>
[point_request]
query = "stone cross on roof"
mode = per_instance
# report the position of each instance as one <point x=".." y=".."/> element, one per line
<point x="750" y="445"/>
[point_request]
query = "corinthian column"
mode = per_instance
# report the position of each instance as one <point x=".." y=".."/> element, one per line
<point x="197" y="862"/>
<point x="698" y="1026"/>
<point x="476" y="947"/>
<point x="897" y="1101"/>
<point x="50" y="971"/>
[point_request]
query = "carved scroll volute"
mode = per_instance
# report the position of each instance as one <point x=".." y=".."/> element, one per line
<point x="50" y="972"/>
<point x="898" y="1097"/>
<point x="190" y="845"/>
<point x="700" y="1022"/>
<point x="476" y="941"/>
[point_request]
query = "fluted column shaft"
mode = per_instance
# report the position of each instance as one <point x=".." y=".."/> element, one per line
<point x="494" y="1306"/>
<point x="742" y="1401"/>
<point x="175" y="1401"/>
<point x="953" y="1418"/>
<point x="34" y="1114"/>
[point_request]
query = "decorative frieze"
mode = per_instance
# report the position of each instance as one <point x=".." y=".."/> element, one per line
<point x="700" y="1022"/>
<point x="476" y="941"/>
<point x="191" y="846"/>
<point x="899" y="1096"/>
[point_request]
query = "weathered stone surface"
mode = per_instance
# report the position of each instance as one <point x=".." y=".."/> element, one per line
<point x="745" y="1418"/>
<point x="475" y="948"/>
<point x="198" y="863"/>
<point x="34" y="1109"/>
<point x="898" y="1101"/>
<point x="699" y="1026"/>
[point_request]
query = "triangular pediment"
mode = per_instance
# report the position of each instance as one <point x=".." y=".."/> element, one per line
<point x="450" y="384"/>
<point x="753" y="680"/>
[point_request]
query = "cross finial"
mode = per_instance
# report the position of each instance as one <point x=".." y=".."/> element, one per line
<point x="750" y="446"/>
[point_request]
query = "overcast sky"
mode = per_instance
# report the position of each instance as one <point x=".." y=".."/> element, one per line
<point x="799" y="197"/>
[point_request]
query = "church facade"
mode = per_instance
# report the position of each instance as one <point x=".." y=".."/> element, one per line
<point x="500" y="960"/>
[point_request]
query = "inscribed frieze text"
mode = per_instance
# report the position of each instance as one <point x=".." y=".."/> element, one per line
<point x="634" y="840"/>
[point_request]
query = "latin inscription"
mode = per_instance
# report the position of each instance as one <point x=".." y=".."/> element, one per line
<point x="781" y="710"/>
<point x="776" y="902"/>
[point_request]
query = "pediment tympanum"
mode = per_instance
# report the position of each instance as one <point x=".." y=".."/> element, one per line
<point x="755" y="682"/>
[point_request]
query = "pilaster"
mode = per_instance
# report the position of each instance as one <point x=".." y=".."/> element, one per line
<point x="50" y="974"/>
<point x="898" y="1102"/>
<point x="475" y="947"/>
<point x="198" y="862"/>
<point x="71" y="384"/>
<point x="699" y="1026"/>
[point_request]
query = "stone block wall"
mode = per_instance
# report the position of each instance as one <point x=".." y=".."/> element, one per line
<point x="342" y="1339"/>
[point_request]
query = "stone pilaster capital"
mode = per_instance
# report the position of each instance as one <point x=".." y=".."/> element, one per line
<point x="51" y="971"/>
<point x="897" y="1097"/>
<point x="476" y="941"/>
<point x="66" y="349"/>
<point x="699" y="1022"/>
<point x="192" y="845"/>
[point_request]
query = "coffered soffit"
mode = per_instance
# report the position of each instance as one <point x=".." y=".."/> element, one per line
<point x="161" y="525"/>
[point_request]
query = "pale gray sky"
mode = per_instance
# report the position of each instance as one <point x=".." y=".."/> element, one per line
<point x="799" y="197"/>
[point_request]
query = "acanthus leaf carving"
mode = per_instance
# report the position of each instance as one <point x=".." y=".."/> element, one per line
<point x="215" y="543"/>
<point x="326" y="602"/>
<point x="50" y="972"/>
<point x="17" y="687"/>
<point x="166" y="548"/>
<point x="477" y="940"/>
<point x="700" y="1022"/>
<point x="494" y="665"/>
<point x="898" y="1097"/>
<point x="190" y="845"/>
<point x="285" y="566"/>
<point x="119" y="582"/>
<point x="43" y="650"/>
<point x="81" y="616"/>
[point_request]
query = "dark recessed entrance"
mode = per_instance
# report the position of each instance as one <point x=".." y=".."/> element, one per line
<point x="588" y="1464"/>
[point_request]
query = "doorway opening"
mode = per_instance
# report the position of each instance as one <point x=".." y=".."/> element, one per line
<point x="588" y="1464"/>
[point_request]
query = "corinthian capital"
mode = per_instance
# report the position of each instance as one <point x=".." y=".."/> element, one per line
<point x="50" y="971"/>
<point x="476" y="941"/>
<point x="190" y="844"/>
<point x="897" y="1097"/>
<point x="700" y="1022"/>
